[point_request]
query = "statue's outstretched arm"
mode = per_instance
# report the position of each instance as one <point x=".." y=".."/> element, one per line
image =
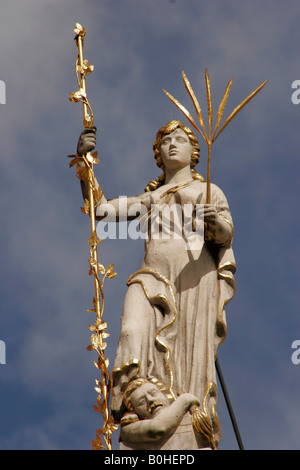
<point x="125" y="208"/>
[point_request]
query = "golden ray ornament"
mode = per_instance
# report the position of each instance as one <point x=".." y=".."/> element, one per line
<point x="84" y="169"/>
<point x="210" y="137"/>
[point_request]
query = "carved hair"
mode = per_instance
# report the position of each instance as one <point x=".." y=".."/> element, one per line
<point x="167" y="129"/>
<point x="138" y="382"/>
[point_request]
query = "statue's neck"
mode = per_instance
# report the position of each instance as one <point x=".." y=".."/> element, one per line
<point x="178" y="176"/>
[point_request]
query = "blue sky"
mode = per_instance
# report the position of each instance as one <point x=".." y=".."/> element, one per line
<point x="139" y="47"/>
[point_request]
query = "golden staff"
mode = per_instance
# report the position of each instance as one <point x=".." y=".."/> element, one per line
<point x="209" y="137"/>
<point x="85" y="172"/>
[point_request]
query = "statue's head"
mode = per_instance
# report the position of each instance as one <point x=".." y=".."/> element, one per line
<point x="168" y="129"/>
<point x="195" y="152"/>
<point x="146" y="397"/>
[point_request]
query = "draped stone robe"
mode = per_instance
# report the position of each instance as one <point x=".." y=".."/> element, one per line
<point x="173" y="319"/>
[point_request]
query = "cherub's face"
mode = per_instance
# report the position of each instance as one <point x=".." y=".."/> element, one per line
<point x="148" y="400"/>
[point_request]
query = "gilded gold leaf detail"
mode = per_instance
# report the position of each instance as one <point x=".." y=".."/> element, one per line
<point x="210" y="139"/>
<point x="110" y="273"/>
<point x="84" y="69"/>
<point x="84" y="171"/>
<point x="79" y="30"/>
<point x="87" y="121"/>
<point x="93" y="241"/>
<point x="103" y="326"/>
<point x="75" y="161"/>
<point x="77" y="96"/>
<point x="86" y="208"/>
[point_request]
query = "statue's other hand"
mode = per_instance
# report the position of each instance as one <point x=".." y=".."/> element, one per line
<point x="210" y="214"/>
<point x="188" y="400"/>
<point x="86" y="141"/>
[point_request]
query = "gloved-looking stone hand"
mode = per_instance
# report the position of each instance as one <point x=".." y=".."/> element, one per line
<point x="86" y="141"/>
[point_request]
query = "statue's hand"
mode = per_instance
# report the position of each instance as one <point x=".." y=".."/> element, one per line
<point x="218" y="230"/>
<point x="188" y="400"/>
<point x="210" y="214"/>
<point x="86" y="141"/>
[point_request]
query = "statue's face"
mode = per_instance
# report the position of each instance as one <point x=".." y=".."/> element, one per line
<point x="148" y="400"/>
<point x="176" y="150"/>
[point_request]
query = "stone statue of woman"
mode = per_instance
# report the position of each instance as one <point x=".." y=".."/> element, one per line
<point x="173" y="318"/>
